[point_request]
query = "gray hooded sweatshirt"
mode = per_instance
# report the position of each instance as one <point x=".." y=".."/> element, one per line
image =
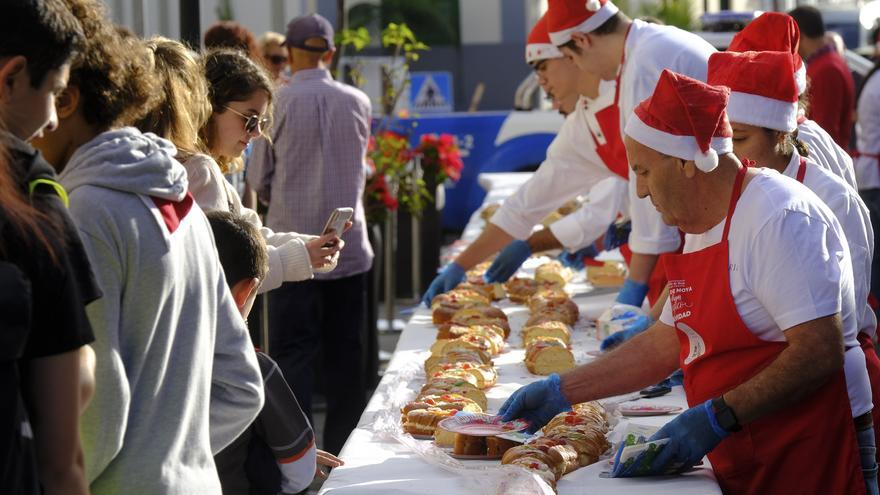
<point x="176" y="371"/>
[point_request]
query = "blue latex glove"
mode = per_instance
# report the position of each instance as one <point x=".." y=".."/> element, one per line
<point x="537" y="403"/>
<point x="692" y="435"/>
<point x="508" y="262"/>
<point x="450" y="276"/>
<point x="632" y="293"/>
<point x="617" y="235"/>
<point x="638" y="325"/>
<point x="576" y="259"/>
<point x="676" y="378"/>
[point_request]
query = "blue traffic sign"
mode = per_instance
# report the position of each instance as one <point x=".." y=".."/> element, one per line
<point x="430" y="92"/>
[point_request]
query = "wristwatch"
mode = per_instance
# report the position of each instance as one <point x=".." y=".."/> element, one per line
<point x="725" y="416"/>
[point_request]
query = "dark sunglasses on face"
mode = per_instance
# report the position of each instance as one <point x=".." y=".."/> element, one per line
<point x="277" y="59"/>
<point x="251" y="121"/>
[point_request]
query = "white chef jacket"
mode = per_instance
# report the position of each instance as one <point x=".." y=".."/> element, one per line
<point x="776" y="281"/>
<point x="852" y="214"/>
<point x="572" y="167"/>
<point x="649" y="49"/>
<point x="826" y="153"/>
<point x="868" y="135"/>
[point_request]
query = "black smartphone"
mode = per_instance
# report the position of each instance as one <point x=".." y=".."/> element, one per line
<point x="654" y="391"/>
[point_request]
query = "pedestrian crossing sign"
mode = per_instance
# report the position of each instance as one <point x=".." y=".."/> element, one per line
<point x="431" y="92"/>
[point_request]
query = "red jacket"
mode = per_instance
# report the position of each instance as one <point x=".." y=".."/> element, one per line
<point x="831" y="94"/>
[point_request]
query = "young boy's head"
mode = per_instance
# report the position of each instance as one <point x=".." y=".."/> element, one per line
<point x="39" y="39"/>
<point x="112" y="84"/>
<point x="243" y="256"/>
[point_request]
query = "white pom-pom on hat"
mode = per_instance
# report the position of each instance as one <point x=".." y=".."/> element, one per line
<point x="593" y="5"/>
<point x="706" y="160"/>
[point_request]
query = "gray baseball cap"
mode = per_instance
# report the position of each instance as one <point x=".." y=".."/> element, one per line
<point x="309" y="26"/>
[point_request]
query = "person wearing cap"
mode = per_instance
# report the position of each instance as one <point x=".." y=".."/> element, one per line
<point x="763" y="371"/>
<point x="831" y="92"/>
<point x="778" y="32"/>
<point x="763" y="110"/>
<point x="602" y="41"/>
<point x="313" y="164"/>
<point x="586" y="155"/>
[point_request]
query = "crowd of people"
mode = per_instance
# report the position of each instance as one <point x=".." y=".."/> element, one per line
<point x="131" y="256"/>
<point x="130" y="263"/>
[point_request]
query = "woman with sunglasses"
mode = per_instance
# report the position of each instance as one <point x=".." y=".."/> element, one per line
<point x="209" y="143"/>
<point x="275" y="57"/>
<point x="239" y="93"/>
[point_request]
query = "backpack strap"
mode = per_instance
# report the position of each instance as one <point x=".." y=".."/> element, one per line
<point x="58" y="188"/>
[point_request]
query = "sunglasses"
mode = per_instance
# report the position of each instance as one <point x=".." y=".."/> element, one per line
<point x="277" y="59"/>
<point x="251" y="121"/>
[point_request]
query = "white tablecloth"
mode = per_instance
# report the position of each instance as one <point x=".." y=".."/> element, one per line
<point x="379" y="463"/>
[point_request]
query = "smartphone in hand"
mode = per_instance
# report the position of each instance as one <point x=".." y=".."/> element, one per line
<point x="336" y="222"/>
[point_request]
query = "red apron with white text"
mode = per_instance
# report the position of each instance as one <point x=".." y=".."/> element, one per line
<point x="807" y="447"/>
<point x="872" y="362"/>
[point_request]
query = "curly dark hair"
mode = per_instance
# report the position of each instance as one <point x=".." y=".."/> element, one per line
<point x="43" y="31"/>
<point x="230" y="34"/>
<point x="231" y="76"/>
<point x="113" y="72"/>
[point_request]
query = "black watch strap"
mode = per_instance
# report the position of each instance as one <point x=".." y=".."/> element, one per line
<point x="725" y="416"/>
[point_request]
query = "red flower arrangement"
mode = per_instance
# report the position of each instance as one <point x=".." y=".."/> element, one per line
<point x="441" y="156"/>
<point x="393" y="184"/>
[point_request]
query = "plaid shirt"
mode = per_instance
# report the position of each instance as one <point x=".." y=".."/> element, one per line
<point x="316" y="163"/>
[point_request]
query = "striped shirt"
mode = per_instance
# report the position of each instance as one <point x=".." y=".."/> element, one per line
<point x="316" y="163"/>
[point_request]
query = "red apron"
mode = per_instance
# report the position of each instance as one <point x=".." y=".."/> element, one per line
<point x="807" y="447"/>
<point x="657" y="281"/>
<point x="607" y="137"/>
<point x="872" y="362"/>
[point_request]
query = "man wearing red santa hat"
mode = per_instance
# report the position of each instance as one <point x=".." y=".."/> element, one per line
<point x="603" y="41"/>
<point x="777" y="32"/>
<point x="763" y="374"/>
<point x="586" y="156"/>
<point x="763" y="110"/>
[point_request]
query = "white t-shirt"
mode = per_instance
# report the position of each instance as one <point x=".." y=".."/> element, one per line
<point x="650" y="48"/>
<point x="776" y="282"/>
<point x="868" y="135"/>
<point x="572" y="167"/>
<point x="852" y="214"/>
<point x="826" y="152"/>
<point x="584" y="226"/>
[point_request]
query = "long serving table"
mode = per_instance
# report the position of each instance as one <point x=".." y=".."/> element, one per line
<point x="381" y="459"/>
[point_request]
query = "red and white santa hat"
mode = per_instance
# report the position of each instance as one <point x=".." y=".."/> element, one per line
<point x="773" y="32"/>
<point x="538" y="46"/>
<point x="568" y="16"/>
<point x="684" y="118"/>
<point x="763" y="92"/>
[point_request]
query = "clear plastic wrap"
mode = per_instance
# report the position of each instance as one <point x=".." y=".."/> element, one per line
<point x="615" y="318"/>
<point x="499" y="480"/>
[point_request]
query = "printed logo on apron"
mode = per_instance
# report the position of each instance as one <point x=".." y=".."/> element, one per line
<point x="695" y="342"/>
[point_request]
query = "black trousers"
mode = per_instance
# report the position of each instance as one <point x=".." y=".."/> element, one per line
<point x="306" y="318"/>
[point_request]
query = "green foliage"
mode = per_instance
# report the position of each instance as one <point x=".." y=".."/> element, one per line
<point x="672" y="12"/>
<point x="394" y="182"/>
<point x="356" y="38"/>
<point x="401" y="38"/>
<point x="435" y="20"/>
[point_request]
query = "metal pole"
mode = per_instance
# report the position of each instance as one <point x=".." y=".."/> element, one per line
<point x="416" y="242"/>
<point x="390" y="248"/>
<point x="190" y="23"/>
